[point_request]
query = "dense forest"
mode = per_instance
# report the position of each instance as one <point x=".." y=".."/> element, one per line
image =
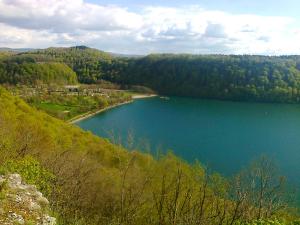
<point x="19" y="69"/>
<point x="247" y="78"/>
<point x="90" y="181"/>
<point x="228" y="77"/>
<point x="53" y="65"/>
<point x="89" y="64"/>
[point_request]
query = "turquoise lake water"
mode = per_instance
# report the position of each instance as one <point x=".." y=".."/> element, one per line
<point x="224" y="135"/>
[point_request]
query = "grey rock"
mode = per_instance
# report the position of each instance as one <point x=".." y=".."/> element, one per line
<point x="25" y="200"/>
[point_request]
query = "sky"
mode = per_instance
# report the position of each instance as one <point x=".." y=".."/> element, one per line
<point x="266" y="27"/>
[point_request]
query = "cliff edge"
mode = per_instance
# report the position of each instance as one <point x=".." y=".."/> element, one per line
<point x="21" y="203"/>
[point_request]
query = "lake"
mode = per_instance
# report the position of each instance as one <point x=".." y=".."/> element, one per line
<point x="224" y="135"/>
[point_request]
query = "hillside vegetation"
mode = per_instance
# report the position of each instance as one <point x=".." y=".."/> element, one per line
<point x="19" y="69"/>
<point x="88" y="180"/>
<point x="244" y="78"/>
<point x="89" y="64"/>
<point x="54" y="65"/>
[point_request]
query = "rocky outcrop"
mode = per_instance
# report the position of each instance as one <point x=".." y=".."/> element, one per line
<point x="21" y="203"/>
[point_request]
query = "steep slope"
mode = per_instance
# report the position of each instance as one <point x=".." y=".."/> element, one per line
<point x="87" y="168"/>
<point x="96" y="182"/>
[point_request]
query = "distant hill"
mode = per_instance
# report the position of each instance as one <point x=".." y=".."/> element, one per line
<point x="16" y="50"/>
<point x="125" y="55"/>
<point x="225" y="77"/>
<point x="22" y="69"/>
<point x="88" y="63"/>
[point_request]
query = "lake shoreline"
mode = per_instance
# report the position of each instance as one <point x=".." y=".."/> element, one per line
<point x="144" y="96"/>
<point x="93" y="113"/>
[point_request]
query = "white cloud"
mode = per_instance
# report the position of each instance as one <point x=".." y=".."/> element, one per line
<point x="67" y="15"/>
<point x="39" y="23"/>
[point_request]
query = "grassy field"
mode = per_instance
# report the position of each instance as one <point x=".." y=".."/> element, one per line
<point x="64" y="112"/>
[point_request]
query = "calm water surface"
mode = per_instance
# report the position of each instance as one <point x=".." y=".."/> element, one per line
<point x="223" y="135"/>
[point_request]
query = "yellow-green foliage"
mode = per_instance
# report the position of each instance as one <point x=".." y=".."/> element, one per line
<point x="89" y="64"/>
<point x="27" y="71"/>
<point x="31" y="171"/>
<point x="97" y="182"/>
<point x="76" y="157"/>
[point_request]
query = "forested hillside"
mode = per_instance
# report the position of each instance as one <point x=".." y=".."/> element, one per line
<point x="89" y="64"/>
<point x="227" y="77"/>
<point x="91" y="181"/>
<point x="20" y="69"/>
<point x="247" y="78"/>
<point x="54" y="65"/>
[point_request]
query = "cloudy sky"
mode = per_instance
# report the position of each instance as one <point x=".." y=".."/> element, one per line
<point x="269" y="27"/>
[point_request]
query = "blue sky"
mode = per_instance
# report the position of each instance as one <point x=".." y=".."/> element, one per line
<point x="259" y="7"/>
<point x="152" y="26"/>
